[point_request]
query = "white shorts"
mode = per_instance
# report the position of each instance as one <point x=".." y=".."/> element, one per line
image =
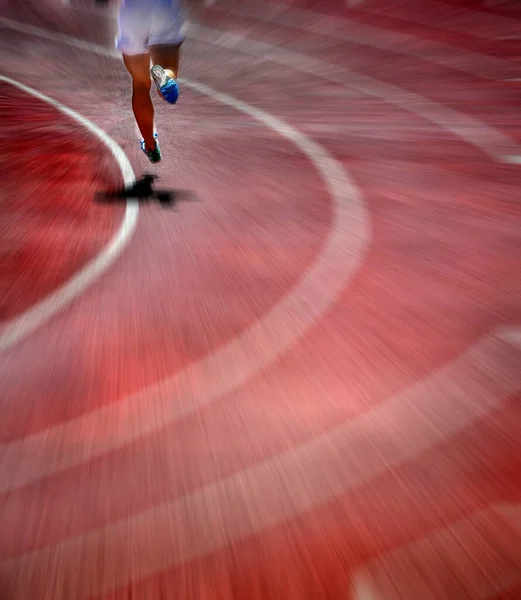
<point x="145" y="23"/>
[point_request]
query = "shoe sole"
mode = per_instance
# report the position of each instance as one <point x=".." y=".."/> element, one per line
<point x="166" y="86"/>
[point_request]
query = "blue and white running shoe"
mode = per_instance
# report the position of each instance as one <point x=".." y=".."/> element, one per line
<point x="166" y="86"/>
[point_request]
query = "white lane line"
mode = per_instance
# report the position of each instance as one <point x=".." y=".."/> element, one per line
<point x="221" y="372"/>
<point x="282" y="487"/>
<point x="479" y="556"/>
<point x="352" y="31"/>
<point x="511" y="334"/>
<point x="513" y="160"/>
<point x="18" y="328"/>
<point x="476" y="133"/>
<point x="485" y="137"/>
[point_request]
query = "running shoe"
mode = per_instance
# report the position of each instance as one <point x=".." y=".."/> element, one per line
<point x="154" y="156"/>
<point x="167" y="87"/>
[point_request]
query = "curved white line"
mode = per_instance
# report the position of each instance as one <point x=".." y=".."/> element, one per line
<point x="480" y="554"/>
<point x="219" y="373"/>
<point x="396" y="42"/>
<point x="16" y="329"/>
<point x="284" y="486"/>
<point x="488" y="139"/>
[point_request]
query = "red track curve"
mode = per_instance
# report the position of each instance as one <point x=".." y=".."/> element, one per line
<point x="441" y="275"/>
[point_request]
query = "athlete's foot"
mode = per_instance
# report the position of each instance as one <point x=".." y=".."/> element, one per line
<point x="153" y="154"/>
<point x="166" y="85"/>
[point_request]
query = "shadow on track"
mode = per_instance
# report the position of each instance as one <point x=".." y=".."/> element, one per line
<point x="142" y="190"/>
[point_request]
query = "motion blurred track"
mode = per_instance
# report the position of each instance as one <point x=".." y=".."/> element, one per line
<point x="306" y="383"/>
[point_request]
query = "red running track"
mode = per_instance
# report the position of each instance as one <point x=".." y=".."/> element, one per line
<point x="306" y="383"/>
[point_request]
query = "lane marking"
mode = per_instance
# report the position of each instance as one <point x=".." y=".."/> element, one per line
<point x="476" y="133"/>
<point x="284" y="486"/>
<point x="513" y="160"/>
<point x="479" y="555"/>
<point x="353" y="31"/>
<point x="233" y="363"/>
<point x="26" y="323"/>
<point x="511" y="334"/>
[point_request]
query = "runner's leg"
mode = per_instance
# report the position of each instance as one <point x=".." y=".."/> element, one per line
<point x="139" y="68"/>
